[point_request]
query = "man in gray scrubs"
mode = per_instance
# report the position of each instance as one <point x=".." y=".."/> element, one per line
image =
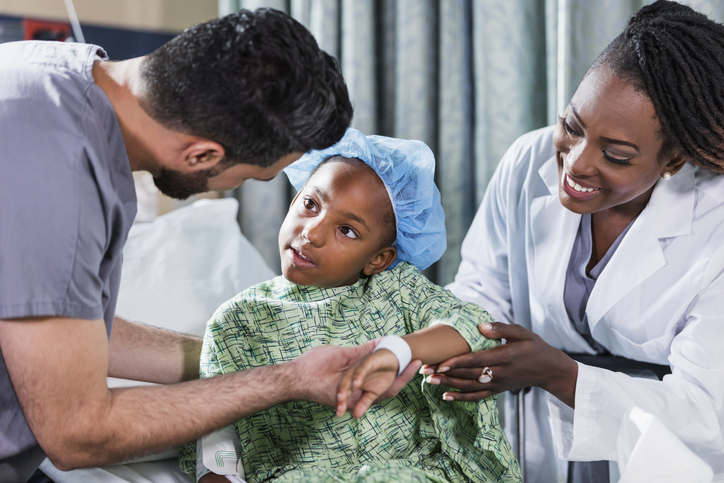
<point x="233" y="99"/>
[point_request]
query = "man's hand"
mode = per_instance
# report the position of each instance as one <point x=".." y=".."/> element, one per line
<point x="320" y="370"/>
<point x="58" y="367"/>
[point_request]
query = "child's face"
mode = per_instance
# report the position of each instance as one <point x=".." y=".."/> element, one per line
<point x="334" y="230"/>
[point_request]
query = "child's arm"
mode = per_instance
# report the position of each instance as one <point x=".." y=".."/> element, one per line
<point x="375" y="373"/>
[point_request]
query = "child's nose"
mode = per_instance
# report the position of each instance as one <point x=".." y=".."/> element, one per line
<point x="313" y="233"/>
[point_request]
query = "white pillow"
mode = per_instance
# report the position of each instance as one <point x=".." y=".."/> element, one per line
<point x="179" y="268"/>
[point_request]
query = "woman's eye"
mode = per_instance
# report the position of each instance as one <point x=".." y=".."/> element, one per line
<point x="616" y="161"/>
<point x="310" y="204"/>
<point x="567" y="126"/>
<point x="348" y="232"/>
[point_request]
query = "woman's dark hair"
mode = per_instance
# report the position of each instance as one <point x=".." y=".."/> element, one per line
<point x="676" y="57"/>
<point x="254" y="82"/>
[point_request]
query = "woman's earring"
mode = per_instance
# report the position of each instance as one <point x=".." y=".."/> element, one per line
<point x="667" y="176"/>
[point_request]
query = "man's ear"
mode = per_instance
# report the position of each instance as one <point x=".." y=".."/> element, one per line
<point x="676" y="162"/>
<point x="380" y="261"/>
<point x="202" y="154"/>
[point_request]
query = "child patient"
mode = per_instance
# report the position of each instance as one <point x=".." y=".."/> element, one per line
<point x="366" y="219"/>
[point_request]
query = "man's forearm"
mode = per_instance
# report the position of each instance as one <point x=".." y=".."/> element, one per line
<point x="145" y="353"/>
<point x="58" y="367"/>
<point x="148" y="419"/>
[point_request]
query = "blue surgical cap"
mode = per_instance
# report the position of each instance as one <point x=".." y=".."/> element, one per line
<point x="407" y="169"/>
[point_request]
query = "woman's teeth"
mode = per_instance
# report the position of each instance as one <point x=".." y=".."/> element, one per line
<point x="578" y="187"/>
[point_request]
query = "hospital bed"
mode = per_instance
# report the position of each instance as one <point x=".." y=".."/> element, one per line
<point x="177" y="270"/>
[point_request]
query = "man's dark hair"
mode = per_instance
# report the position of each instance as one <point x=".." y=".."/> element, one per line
<point x="254" y="82"/>
<point x="675" y="56"/>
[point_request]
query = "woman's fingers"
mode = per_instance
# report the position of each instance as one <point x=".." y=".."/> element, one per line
<point x="464" y="372"/>
<point x="491" y="357"/>
<point x="499" y="330"/>
<point x="464" y="385"/>
<point x="468" y="396"/>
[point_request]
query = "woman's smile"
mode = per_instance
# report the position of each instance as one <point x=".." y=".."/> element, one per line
<point x="578" y="189"/>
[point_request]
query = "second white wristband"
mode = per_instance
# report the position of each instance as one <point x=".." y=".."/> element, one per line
<point x="397" y="346"/>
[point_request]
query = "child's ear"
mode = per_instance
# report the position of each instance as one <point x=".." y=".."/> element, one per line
<point x="380" y="261"/>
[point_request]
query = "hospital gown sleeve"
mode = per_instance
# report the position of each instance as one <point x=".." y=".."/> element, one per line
<point x="460" y="425"/>
<point x="429" y="304"/>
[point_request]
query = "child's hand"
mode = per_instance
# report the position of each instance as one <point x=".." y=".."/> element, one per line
<point x="373" y="374"/>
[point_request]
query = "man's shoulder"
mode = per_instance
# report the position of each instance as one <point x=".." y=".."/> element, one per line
<point x="42" y="80"/>
<point x="52" y="57"/>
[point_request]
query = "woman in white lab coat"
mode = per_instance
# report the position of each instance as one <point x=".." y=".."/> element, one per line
<point x="627" y="180"/>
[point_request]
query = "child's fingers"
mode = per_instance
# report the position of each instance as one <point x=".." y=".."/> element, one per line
<point x="343" y="392"/>
<point x="363" y="404"/>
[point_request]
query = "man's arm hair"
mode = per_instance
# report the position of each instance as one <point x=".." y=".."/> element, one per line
<point x="58" y="367"/>
<point x="145" y="353"/>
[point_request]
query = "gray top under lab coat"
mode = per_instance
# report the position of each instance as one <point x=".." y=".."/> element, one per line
<point x="579" y="284"/>
<point x="67" y="202"/>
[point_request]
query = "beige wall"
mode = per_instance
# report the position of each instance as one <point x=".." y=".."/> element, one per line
<point x="156" y="15"/>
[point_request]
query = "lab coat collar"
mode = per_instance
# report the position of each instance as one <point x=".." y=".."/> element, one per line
<point x="553" y="229"/>
<point x="668" y="214"/>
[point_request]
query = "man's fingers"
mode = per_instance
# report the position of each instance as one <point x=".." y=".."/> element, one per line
<point x="367" y="348"/>
<point x="403" y="379"/>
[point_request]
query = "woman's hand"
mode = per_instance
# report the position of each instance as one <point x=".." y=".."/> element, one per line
<point x="524" y="360"/>
<point x="373" y="376"/>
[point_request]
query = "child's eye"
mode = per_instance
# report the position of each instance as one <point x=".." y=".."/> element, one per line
<point x="348" y="232"/>
<point x="309" y="204"/>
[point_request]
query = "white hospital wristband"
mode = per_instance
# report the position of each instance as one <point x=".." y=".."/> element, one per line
<point x="397" y="346"/>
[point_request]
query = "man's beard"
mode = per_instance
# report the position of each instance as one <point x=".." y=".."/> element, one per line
<point x="180" y="185"/>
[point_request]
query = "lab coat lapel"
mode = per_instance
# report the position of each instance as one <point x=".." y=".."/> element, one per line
<point x="553" y="229"/>
<point x="640" y="255"/>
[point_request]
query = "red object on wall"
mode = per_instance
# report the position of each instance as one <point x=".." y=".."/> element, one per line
<point x="43" y="30"/>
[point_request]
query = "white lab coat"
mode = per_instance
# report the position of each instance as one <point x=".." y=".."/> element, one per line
<point x="660" y="299"/>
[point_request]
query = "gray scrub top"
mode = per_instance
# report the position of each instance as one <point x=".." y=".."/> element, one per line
<point x="579" y="285"/>
<point x="67" y="202"/>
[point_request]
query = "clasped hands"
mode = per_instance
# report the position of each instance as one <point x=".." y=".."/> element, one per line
<point x="524" y="360"/>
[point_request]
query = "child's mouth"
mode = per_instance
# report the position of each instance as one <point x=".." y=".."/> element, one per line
<point x="300" y="259"/>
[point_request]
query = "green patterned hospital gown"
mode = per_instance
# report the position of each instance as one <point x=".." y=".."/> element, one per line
<point x="415" y="437"/>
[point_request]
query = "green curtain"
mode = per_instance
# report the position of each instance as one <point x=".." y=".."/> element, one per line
<point x="465" y="76"/>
